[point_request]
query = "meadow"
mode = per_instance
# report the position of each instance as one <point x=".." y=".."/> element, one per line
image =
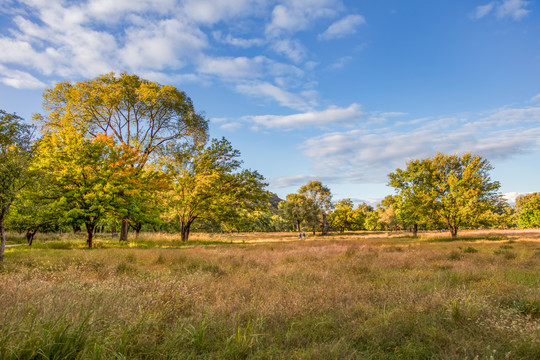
<point x="269" y="296"/>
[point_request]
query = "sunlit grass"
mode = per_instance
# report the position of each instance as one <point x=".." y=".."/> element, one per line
<point x="260" y="297"/>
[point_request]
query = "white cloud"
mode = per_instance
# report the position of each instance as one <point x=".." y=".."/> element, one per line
<point x="283" y="97"/>
<point x="213" y="11"/>
<point x="341" y="63"/>
<point x="296" y="180"/>
<point x="19" y="79"/>
<point x="369" y="152"/>
<point x="296" y="15"/>
<point x="483" y="10"/>
<point x="233" y="67"/>
<point x="163" y="44"/>
<point x="90" y="37"/>
<point x="343" y="27"/>
<point x="238" y="42"/>
<point x="290" y="48"/>
<point x="535" y="99"/>
<point x="512" y="196"/>
<point x="331" y="116"/>
<point x="514" y="9"/>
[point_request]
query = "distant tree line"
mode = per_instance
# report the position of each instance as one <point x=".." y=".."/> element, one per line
<point x="119" y="152"/>
<point x="446" y="192"/>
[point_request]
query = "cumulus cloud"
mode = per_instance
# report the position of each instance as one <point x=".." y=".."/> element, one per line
<point x="162" y="44"/>
<point x="295" y="15"/>
<point x="343" y="27"/>
<point x="331" y="116"/>
<point x="514" y="9"/>
<point x="512" y="196"/>
<point x="213" y="11"/>
<point x="90" y="37"/>
<point x="165" y="40"/>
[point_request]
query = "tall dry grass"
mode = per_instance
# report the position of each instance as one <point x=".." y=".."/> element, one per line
<point x="347" y="296"/>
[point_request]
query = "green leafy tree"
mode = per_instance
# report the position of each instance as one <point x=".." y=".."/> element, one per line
<point x="528" y="210"/>
<point x="207" y="183"/>
<point x="32" y="212"/>
<point x="15" y="157"/>
<point x="345" y="217"/>
<point x="86" y="177"/>
<point x="342" y="217"/>
<point x="322" y="198"/>
<point x="299" y="210"/>
<point x="372" y="221"/>
<point x="138" y="114"/>
<point x="358" y="216"/>
<point x="412" y="207"/>
<point x="387" y="214"/>
<point x="455" y="191"/>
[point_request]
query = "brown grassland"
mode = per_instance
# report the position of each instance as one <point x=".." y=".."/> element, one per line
<point x="269" y="296"/>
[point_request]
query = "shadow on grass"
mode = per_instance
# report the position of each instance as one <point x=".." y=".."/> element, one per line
<point x="465" y="238"/>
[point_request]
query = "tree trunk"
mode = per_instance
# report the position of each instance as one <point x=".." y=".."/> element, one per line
<point x="76" y="229"/>
<point x="89" y="234"/>
<point x="137" y="227"/>
<point x="3" y="237"/>
<point x="124" y="230"/>
<point x="184" y="231"/>
<point x="325" y="226"/>
<point x="453" y="231"/>
<point x="298" y="225"/>
<point x="30" y="236"/>
<point x="415" y="229"/>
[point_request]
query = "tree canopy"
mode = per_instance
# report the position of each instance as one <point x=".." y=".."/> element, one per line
<point x="141" y="116"/>
<point x="207" y="182"/>
<point x="528" y="210"/>
<point x="15" y="157"/>
<point x="455" y="191"/>
<point x="322" y="198"/>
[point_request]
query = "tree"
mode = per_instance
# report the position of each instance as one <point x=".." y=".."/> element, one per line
<point x="452" y="190"/>
<point x="359" y="215"/>
<point x="86" y="177"/>
<point x="341" y="217"/>
<point x="140" y="115"/>
<point x="207" y="183"/>
<point x="528" y="210"/>
<point x="322" y="198"/>
<point x="387" y="213"/>
<point x="411" y="205"/>
<point x="345" y="217"/>
<point x="298" y="209"/>
<point x="32" y="212"/>
<point x="372" y="221"/>
<point x="15" y="157"/>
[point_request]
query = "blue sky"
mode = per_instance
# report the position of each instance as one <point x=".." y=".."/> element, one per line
<point x="341" y="91"/>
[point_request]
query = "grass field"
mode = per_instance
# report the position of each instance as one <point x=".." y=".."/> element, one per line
<point x="270" y="296"/>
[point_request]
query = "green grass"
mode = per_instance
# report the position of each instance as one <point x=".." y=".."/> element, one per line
<point x="337" y="298"/>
